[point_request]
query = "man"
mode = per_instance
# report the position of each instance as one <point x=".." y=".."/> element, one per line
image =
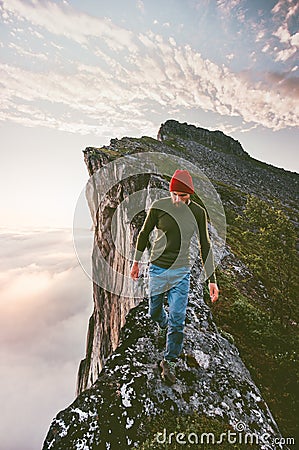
<point x="176" y="219"/>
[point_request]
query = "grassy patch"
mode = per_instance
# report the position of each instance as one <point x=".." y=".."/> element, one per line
<point x="267" y="347"/>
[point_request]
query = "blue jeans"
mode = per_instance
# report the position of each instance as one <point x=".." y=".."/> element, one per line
<point x="176" y="283"/>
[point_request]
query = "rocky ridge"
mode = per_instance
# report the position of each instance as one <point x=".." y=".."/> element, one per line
<point x="211" y="380"/>
<point x="225" y="161"/>
<point x="119" y="387"/>
<point x="213" y="140"/>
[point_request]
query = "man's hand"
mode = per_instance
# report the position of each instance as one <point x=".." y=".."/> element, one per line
<point x="214" y="292"/>
<point x="135" y="271"/>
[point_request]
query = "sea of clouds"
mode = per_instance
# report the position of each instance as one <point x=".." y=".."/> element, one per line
<point x="45" y="303"/>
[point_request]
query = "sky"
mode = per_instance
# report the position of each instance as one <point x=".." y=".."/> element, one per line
<point x="75" y="74"/>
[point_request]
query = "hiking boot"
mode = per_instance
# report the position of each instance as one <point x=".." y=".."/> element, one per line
<point x="162" y="333"/>
<point x="168" y="369"/>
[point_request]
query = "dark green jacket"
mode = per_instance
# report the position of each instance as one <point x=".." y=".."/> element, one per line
<point x="175" y="226"/>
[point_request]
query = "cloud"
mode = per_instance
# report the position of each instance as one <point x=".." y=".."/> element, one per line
<point x="288" y="9"/>
<point x="27" y="53"/>
<point x="260" y="35"/>
<point x="289" y="43"/>
<point x="226" y="6"/>
<point x="287" y="85"/>
<point x="283" y="34"/>
<point x="45" y="304"/>
<point x="284" y="55"/>
<point x="266" y="48"/>
<point x="140" y="6"/>
<point x="230" y="56"/>
<point x="210" y="87"/>
<point x="154" y="77"/>
<point x="273" y="31"/>
<point x="157" y="80"/>
<point x="294" y="40"/>
<point x="79" y="27"/>
<point x="276" y="8"/>
<point x="232" y="10"/>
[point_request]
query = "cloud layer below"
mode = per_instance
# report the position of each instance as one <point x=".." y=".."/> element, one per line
<point x="44" y="309"/>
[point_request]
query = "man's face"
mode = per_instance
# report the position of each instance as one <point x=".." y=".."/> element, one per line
<point x="178" y="198"/>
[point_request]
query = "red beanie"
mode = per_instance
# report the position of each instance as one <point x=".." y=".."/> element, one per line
<point x="181" y="181"/>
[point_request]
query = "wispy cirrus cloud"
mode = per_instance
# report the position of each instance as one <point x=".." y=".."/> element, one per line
<point x="283" y="12"/>
<point x="157" y="81"/>
<point x="27" y="53"/>
<point x="226" y="6"/>
<point x="290" y="43"/>
<point x="288" y="9"/>
<point x="272" y="30"/>
<point x="152" y="75"/>
<point x="79" y="27"/>
<point x="285" y="54"/>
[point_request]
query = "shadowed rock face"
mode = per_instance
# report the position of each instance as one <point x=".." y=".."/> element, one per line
<point x="119" y="386"/>
<point x="215" y="140"/>
<point x="110" y="310"/>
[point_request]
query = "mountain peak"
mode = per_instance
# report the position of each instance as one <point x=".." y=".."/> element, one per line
<point x="215" y="140"/>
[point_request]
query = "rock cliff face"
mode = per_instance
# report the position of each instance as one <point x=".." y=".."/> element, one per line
<point x="119" y="386"/>
<point x="214" y="140"/>
<point x="110" y="310"/>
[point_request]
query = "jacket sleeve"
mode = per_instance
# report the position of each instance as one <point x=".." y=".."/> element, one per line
<point x="205" y="246"/>
<point x="143" y="236"/>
